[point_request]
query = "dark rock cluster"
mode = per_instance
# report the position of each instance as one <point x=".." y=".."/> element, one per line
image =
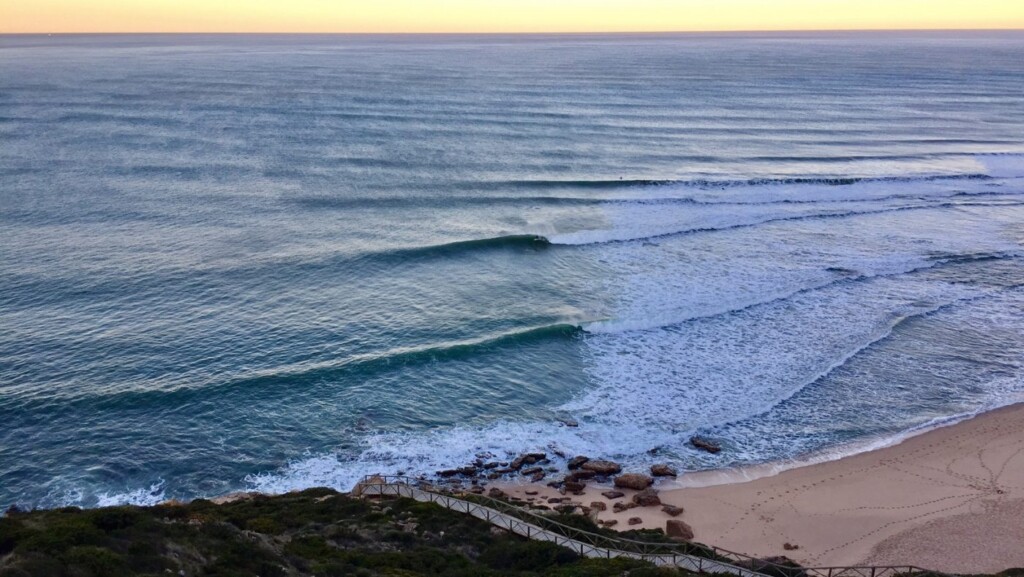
<point x="705" y="444"/>
<point x="536" y="467"/>
<point x="580" y="470"/>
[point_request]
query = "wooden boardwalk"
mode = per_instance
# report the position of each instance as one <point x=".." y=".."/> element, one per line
<point x="539" y="528"/>
<point x="532" y="531"/>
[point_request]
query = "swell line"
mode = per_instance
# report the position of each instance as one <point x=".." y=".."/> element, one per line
<point x="521" y="242"/>
<point x="798" y="201"/>
<point x="704" y="183"/>
<point x="607" y="326"/>
<point x="282" y="379"/>
<point x="28" y="290"/>
<point x="509" y="241"/>
<point x="330" y="203"/>
<point x="596" y="237"/>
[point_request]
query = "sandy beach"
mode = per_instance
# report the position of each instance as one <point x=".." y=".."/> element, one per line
<point x="950" y="499"/>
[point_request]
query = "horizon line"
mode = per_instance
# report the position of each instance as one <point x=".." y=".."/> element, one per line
<point x="511" y="33"/>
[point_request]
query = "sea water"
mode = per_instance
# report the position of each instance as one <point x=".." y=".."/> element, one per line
<point x="275" y="262"/>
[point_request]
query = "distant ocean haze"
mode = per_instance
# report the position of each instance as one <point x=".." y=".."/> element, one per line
<point x="274" y="262"/>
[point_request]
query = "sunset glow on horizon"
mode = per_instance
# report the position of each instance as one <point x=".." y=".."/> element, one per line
<point x="536" y="16"/>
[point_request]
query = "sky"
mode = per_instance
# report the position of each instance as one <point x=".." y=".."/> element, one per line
<point x="419" y="16"/>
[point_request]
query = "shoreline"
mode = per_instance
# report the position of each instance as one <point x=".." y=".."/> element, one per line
<point x="906" y="502"/>
<point x="748" y="473"/>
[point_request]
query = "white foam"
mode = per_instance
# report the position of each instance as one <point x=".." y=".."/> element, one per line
<point x="142" y="497"/>
<point x="712" y="371"/>
<point x="415" y="454"/>
<point x="715" y="304"/>
<point x="63" y="498"/>
<point x="742" y="474"/>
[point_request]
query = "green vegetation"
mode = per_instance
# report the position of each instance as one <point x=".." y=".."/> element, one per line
<point x="315" y="532"/>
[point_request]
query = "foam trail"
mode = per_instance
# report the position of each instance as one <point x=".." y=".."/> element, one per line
<point x="143" y="497"/>
<point x="659" y="222"/>
<point x="651" y="222"/>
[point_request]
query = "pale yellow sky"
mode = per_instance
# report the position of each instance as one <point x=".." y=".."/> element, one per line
<point x="501" y="15"/>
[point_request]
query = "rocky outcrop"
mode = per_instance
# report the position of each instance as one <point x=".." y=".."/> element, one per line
<point x="678" y="530"/>
<point x="621" y="506"/>
<point x="647" y="498"/>
<point x="662" y="470"/>
<point x="577" y="462"/>
<point x="221" y="500"/>
<point x="526" y="459"/>
<point x="705" y="445"/>
<point x="634" y="481"/>
<point x="602" y="467"/>
<point x="672" y="510"/>
<point x="580" y="475"/>
<point x="464" y="471"/>
<point x="574" y="486"/>
<point x="634" y="521"/>
<point x="612" y="495"/>
<point x="599" y="506"/>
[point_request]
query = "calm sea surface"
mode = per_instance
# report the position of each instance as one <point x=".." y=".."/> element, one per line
<point x="270" y="262"/>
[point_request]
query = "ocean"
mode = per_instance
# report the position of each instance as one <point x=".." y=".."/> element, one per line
<point x="244" y="262"/>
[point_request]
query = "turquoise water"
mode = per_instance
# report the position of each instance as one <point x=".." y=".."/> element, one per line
<point x="271" y="262"/>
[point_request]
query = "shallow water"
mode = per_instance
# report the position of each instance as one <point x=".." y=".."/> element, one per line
<point x="272" y="262"/>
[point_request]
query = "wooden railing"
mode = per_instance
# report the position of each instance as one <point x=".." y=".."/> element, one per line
<point x="691" y="556"/>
